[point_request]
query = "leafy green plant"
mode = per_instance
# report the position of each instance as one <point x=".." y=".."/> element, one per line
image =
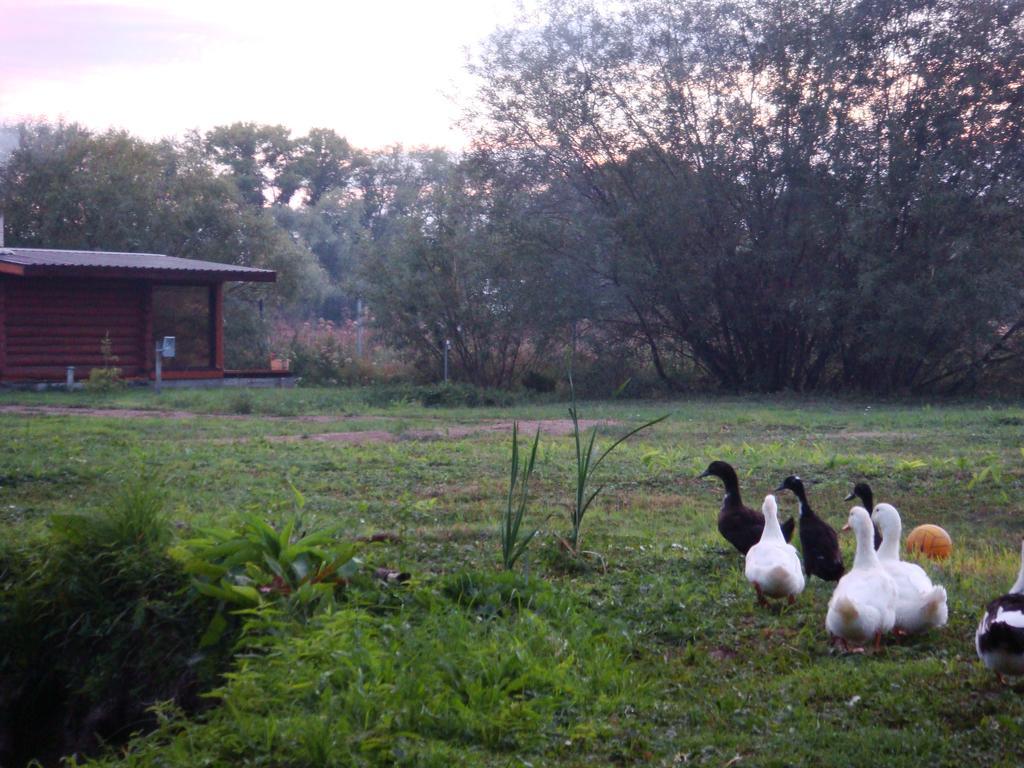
<point x="512" y="546"/>
<point x="586" y="466"/>
<point x="909" y="466"/>
<point x="108" y="377"/>
<point x="992" y="474"/>
<point x="255" y="564"/>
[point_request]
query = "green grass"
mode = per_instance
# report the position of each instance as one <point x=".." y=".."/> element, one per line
<point x="654" y="654"/>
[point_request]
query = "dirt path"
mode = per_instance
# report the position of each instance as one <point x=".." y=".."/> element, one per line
<point x="555" y="427"/>
<point x="153" y="413"/>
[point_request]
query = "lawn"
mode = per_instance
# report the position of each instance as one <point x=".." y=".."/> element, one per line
<point x="650" y="650"/>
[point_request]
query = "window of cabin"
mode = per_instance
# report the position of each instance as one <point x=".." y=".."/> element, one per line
<point x="185" y="312"/>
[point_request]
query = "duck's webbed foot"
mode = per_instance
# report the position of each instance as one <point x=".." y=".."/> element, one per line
<point x="761" y="599"/>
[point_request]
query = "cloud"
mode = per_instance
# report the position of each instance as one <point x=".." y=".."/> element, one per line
<point x="377" y="71"/>
<point x="60" y="39"/>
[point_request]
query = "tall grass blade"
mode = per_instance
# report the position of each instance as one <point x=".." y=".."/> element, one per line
<point x="586" y="466"/>
<point x="512" y="546"/>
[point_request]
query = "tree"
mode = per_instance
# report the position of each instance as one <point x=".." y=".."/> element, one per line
<point x="65" y="187"/>
<point x="259" y="160"/>
<point x="324" y="161"/>
<point x="441" y="262"/>
<point x="763" y="174"/>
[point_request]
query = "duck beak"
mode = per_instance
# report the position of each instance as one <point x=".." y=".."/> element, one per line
<point x="851" y="497"/>
<point x="780" y="488"/>
<point x="845" y="527"/>
<point x="705" y="473"/>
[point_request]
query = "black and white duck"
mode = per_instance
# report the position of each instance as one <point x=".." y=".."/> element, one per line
<point x="741" y="526"/>
<point x="818" y="539"/>
<point x="1000" y="635"/>
<point x="863" y="492"/>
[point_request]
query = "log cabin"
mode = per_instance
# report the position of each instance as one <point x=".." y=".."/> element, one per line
<point x="58" y="306"/>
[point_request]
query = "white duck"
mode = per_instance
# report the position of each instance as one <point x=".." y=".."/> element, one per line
<point x="863" y="605"/>
<point x="919" y="604"/>
<point x="772" y="565"/>
<point x="1000" y="636"/>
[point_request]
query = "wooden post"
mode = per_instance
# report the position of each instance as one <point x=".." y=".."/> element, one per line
<point x="217" y="320"/>
<point x="148" y="362"/>
<point x="158" y="372"/>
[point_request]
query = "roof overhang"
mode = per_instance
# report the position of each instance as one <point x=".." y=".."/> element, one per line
<point x="39" y="262"/>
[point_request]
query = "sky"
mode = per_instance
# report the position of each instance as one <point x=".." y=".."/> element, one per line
<point x="378" y="72"/>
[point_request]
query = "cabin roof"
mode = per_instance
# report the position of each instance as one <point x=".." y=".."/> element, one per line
<point x="47" y="262"/>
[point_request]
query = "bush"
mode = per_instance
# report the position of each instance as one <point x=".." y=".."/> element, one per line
<point x="105" y="378"/>
<point x="539" y="382"/>
<point x="326" y="353"/>
<point x="246" y="333"/>
<point x="95" y="627"/>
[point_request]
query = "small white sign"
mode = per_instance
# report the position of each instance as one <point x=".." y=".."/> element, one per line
<point x="167" y="349"/>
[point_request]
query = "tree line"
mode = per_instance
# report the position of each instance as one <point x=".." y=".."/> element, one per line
<point x="818" y="195"/>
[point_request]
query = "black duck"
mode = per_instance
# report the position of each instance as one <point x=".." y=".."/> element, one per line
<point x="741" y="526"/>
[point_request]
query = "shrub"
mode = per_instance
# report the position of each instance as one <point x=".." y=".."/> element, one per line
<point x="95" y="626"/>
<point x="105" y="378"/>
<point x="539" y="382"/>
<point x="326" y="353"/>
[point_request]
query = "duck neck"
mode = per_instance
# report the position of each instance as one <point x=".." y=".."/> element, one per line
<point x="866" y="557"/>
<point x="805" y="506"/>
<point x="732" y="487"/>
<point x="772" y="529"/>
<point x="890" y="549"/>
<point x="869" y="500"/>
<point x="1018" y="585"/>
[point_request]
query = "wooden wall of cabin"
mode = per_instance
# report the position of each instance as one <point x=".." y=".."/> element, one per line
<point x="49" y="324"/>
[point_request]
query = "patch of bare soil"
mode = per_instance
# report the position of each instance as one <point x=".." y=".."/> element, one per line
<point x="556" y="427"/>
<point x="722" y="653"/>
<point x="117" y="413"/>
<point x="353" y="438"/>
<point x="153" y="413"/>
<point x="880" y="435"/>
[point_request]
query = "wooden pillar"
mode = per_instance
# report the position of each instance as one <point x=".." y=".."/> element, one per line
<point x="217" y="320"/>
<point x="148" y="361"/>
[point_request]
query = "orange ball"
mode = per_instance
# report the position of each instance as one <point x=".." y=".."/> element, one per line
<point x="932" y="540"/>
